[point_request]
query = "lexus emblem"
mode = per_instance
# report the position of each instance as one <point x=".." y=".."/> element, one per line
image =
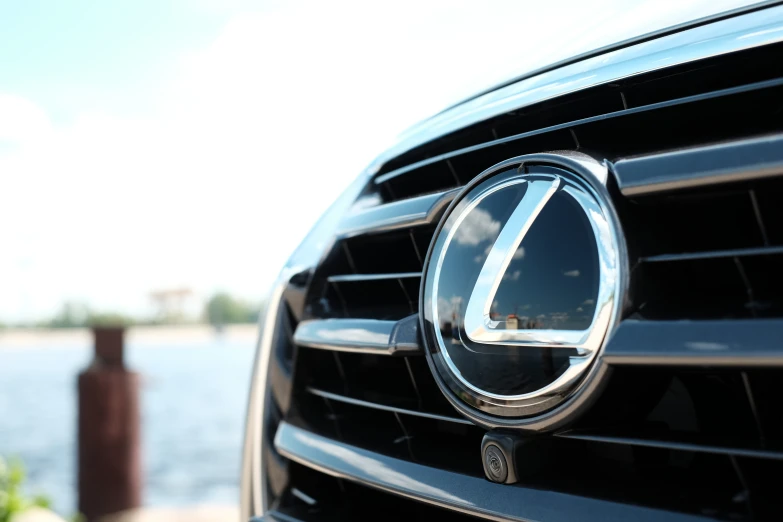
<point x="522" y="286"/>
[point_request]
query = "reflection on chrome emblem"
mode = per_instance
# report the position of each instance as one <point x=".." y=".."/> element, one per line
<point x="523" y="285"/>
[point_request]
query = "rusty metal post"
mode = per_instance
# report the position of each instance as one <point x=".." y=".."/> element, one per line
<point x="109" y="430"/>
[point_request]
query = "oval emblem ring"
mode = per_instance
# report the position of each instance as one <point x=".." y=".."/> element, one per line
<point x="523" y="284"/>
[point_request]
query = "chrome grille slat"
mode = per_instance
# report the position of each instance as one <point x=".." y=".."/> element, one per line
<point x="732" y="161"/>
<point x="386" y="407"/>
<point x="712" y="254"/>
<point x="727" y="343"/>
<point x="276" y="516"/>
<point x="471" y="495"/>
<point x="407" y="213"/>
<point x="369" y="336"/>
<point x="410" y="169"/>
<point x="672" y="443"/>
<point x="657" y="54"/>
<point x="358" y="278"/>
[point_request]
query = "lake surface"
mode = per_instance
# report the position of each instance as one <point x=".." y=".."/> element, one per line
<point x="193" y="406"/>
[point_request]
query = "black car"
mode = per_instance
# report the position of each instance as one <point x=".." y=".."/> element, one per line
<point x="559" y="300"/>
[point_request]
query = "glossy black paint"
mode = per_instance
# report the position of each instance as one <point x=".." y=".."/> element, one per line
<point x="737" y="343"/>
<point x="739" y="160"/>
<point x="470" y="495"/>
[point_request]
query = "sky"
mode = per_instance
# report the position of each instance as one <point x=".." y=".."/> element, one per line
<point x="147" y="145"/>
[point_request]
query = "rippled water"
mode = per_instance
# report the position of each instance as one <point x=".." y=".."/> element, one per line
<point x="193" y="402"/>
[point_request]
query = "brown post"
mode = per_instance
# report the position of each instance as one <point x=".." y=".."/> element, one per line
<point x="109" y="430"/>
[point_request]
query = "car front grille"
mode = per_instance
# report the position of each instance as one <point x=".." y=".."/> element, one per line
<point x="690" y="421"/>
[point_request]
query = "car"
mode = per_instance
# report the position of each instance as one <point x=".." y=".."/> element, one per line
<point x="561" y="299"/>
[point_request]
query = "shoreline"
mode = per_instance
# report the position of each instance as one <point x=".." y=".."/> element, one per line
<point x="13" y="338"/>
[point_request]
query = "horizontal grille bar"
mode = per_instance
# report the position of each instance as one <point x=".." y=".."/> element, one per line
<point x="418" y="211"/>
<point x="739" y="160"/>
<point x="353" y="278"/>
<point x="379" y="406"/>
<point x="732" y="343"/>
<point x="657" y="54"/>
<point x="361" y="335"/>
<point x="275" y="516"/>
<point x="410" y="169"/>
<point x="673" y="444"/>
<point x="713" y="254"/>
<point x="464" y="493"/>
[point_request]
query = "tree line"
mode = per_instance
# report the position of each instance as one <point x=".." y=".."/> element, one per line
<point x="220" y="309"/>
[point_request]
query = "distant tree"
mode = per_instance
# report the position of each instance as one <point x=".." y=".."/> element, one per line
<point x="76" y="315"/>
<point x="222" y="309"/>
<point x="109" y="319"/>
<point x="71" y="315"/>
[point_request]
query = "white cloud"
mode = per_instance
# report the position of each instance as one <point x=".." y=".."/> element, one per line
<point x="513" y="276"/>
<point x="519" y="253"/>
<point x="22" y="122"/>
<point x="447" y="308"/>
<point x="253" y="138"/>
<point x="477" y="227"/>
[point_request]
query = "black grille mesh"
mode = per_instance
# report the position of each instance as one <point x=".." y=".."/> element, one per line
<point x="694" y="440"/>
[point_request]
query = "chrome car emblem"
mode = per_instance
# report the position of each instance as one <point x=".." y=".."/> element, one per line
<point x="523" y="284"/>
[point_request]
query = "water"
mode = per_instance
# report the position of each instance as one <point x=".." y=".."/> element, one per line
<point x="193" y="406"/>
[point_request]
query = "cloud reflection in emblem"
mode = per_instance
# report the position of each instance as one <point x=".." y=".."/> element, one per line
<point x="476" y="228"/>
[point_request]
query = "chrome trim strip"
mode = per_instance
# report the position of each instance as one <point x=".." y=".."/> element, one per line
<point x="406" y="213"/>
<point x="356" y="336"/>
<point x="467" y="494"/>
<point x="713" y="254"/>
<point x="302" y="262"/>
<point x="733" y="343"/>
<point x="253" y="480"/>
<point x="358" y="278"/>
<point x="727" y="162"/>
<point x="672" y="445"/>
<point x="276" y="516"/>
<point x="737" y="33"/>
<point x="766" y="84"/>
<point x="379" y="406"/>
